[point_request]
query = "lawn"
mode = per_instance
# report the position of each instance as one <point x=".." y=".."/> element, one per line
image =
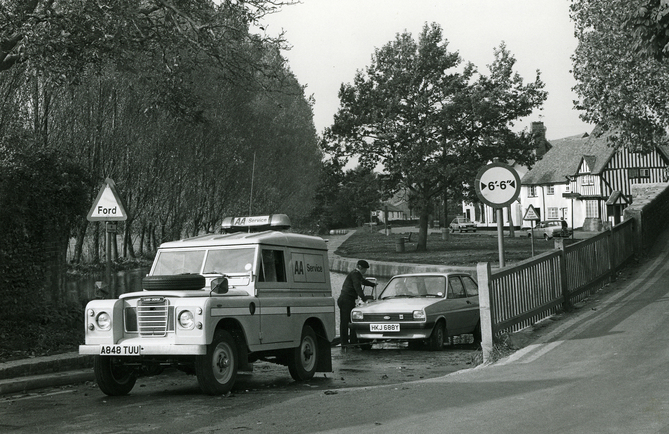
<point x="466" y="249"/>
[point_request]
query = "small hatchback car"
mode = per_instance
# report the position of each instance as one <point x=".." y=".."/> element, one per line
<point x="422" y="308"/>
<point x="550" y="229"/>
<point x="462" y="224"/>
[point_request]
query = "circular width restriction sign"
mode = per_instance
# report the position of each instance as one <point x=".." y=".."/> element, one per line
<point x="497" y="185"/>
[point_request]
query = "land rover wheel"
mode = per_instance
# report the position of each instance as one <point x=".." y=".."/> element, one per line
<point x="437" y="338"/>
<point x="178" y="282"/>
<point x="303" y="360"/>
<point x="112" y="376"/>
<point x="217" y="370"/>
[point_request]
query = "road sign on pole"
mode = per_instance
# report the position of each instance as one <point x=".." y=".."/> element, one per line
<point x="531" y="214"/>
<point x="108" y="205"/>
<point x="498" y="185"/>
<point x="108" y="208"/>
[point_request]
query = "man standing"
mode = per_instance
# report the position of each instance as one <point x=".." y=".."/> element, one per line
<point x="350" y="291"/>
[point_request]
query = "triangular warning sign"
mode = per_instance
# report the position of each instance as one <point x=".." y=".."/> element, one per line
<point x="531" y="214"/>
<point x="108" y="205"/>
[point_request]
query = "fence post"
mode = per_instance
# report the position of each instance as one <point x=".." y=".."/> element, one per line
<point x="483" y="274"/>
<point x="566" y="302"/>
<point x="612" y="250"/>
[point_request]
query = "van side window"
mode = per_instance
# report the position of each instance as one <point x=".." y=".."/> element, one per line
<point x="272" y="266"/>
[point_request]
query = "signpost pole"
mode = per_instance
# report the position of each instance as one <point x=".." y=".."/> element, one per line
<point x="532" y="236"/>
<point x="500" y="236"/>
<point x="108" y="254"/>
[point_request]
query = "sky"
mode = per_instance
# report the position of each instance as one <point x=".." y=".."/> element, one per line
<point x="332" y="39"/>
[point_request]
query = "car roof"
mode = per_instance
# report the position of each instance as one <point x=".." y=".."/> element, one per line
<point x="433" y="274"/>
<point x="275" y="238"/>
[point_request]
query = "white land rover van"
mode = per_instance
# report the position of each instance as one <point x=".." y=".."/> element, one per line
<point x="214" y="304"/>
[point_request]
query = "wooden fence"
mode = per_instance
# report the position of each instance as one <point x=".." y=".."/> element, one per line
<point x="515" y="297"/>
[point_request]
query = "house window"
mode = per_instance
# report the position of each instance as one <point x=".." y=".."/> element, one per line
<point x="587" y="180"/>
<point x="550" y="189"/>
<point x="532" y="191"/>
<point x="591" y="209"/>
<point x="567" y="188"/>
<point x="552" y="213"/>
<point x="636" y="173"/>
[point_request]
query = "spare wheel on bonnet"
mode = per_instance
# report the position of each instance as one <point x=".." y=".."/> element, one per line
<point x="176" y="281"/>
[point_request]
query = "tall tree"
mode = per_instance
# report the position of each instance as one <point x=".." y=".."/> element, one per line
<point x="649" y="23"/>
<point x="428" y="122"/>
<point x="620" y="87"/>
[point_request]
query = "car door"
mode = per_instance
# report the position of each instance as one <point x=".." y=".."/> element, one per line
<point x="472" y="291"/>
<point x="459" y="307"/>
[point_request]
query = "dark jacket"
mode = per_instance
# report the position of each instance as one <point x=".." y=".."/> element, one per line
<point x="352" y="287"/>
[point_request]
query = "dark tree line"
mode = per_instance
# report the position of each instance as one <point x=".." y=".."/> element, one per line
<point x="177" y="101"/>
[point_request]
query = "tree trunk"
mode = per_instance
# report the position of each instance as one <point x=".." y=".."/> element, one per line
<point x="422" y="229"/>
<point x="141" y="239"/>
<point x="96" y="243"/>
<point x="79" y="242"/>
<point x="512" y="229"/>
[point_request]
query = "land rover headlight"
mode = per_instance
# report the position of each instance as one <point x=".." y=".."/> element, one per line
<point x="356" y="315"/>
<point x="186" y="319"/>
<point x="419" y="315"/>
<point x="103" y="321"/>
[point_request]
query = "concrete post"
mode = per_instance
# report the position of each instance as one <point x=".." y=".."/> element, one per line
<point x="483" y="272"/>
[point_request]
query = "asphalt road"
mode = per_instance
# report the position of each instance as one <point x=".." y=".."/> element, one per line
<point x="173" y="403"/>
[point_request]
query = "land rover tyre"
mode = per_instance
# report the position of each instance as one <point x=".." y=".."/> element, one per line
<point x="112" y="376"/>
<point x="303" y="360"/>
<point x="437" y="338"/>
<point x="217" y="370"/>
<point x="173" y="282"/>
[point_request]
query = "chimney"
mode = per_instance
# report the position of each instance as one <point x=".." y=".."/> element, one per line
<point x="538" y="134"/>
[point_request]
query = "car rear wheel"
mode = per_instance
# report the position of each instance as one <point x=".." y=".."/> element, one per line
<point x="437" y="338"/>
<point x="304" y="358"/>
<point x="477" y="333"/>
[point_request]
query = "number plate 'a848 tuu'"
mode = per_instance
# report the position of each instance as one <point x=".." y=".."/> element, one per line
<point x="120" y="350"/>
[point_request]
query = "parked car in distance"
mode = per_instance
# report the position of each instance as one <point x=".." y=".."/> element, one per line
<point x="421" y="308"/>
<point x="550" y="229"/>
<point x="462" y="224"/>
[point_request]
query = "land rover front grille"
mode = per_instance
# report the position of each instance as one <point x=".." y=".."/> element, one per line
<point x="153" y="314"/>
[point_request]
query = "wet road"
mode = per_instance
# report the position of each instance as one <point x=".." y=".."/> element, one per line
<point x="173" y="403"/>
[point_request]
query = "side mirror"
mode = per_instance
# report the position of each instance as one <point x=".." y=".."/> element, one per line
<point x="219" y="285"/>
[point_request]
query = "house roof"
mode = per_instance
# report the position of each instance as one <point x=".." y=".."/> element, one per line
<point x="562" y="159"/>
<point x="566" y="155"/>
<point x="391" y="207"/>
